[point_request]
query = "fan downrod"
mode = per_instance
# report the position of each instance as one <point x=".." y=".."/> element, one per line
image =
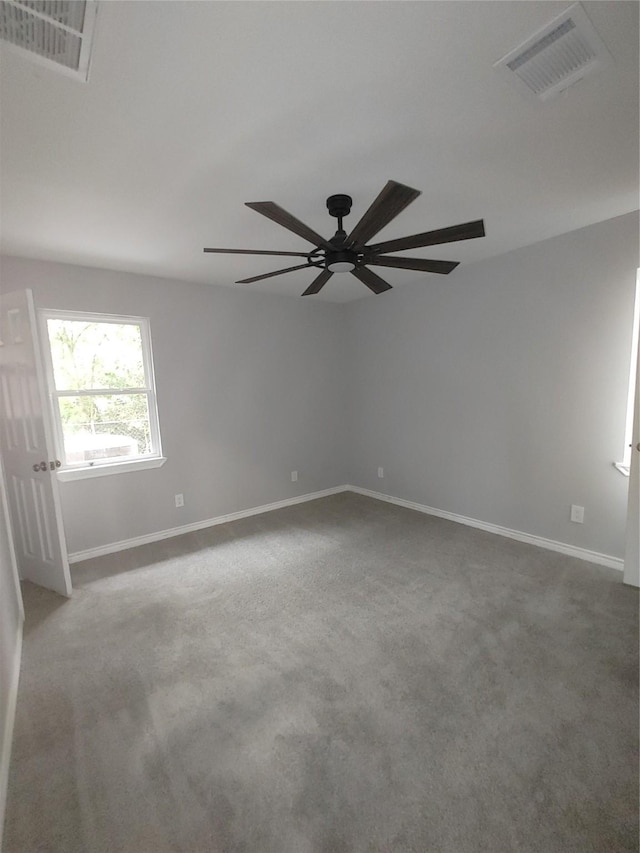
<point x="339" y="206"/>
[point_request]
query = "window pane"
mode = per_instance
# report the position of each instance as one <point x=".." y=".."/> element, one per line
<point x="96" y="355"/>
<point x="109" y="426"/>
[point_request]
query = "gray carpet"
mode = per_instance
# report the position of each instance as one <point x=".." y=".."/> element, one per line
<point x="343" y="675"/>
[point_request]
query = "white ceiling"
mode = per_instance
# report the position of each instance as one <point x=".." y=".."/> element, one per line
<point x="193" y="108"/>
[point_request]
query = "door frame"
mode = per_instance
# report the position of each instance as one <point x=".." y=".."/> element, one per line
<point x="632" y="543"/>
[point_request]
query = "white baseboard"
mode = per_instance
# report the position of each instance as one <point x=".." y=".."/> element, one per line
<point x="541" y="542"/>
<point x="531" y="539"/>
<point x="101" y="550"/>
<point x="7" y="734"/>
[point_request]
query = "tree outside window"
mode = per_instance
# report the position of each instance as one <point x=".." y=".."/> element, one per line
<point x="102" y="388"/>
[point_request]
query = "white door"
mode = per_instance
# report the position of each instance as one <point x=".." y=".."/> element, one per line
<point x="632" y="550"/>
<point x="27" y="449"/>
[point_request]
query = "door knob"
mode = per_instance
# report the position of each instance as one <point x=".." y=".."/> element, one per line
<point x="54" y="464"/>
<point x="41" y="466"/>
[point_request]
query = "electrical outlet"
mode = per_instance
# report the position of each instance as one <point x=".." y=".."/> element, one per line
<point x="381" y="473"/>
<point x="577" y="514"/>
<point x="294" y="476"/>
<point x="179" y="500"/>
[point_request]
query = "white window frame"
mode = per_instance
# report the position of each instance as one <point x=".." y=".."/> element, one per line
<point x="98" y="467"/>
<point x="625" y="465"/>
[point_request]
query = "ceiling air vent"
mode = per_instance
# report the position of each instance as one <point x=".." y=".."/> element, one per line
<point x="557" y="56"/>
<point x="55" y="33"/>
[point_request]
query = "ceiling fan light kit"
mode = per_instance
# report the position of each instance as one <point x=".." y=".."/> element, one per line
<point x="342" y="261"/>
<point x="349" y="252"/>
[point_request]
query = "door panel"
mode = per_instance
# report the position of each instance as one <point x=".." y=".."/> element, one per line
<point x="27" y="449"/>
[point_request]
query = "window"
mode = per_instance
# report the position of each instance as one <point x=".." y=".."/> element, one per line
<point x="103" y="398"/>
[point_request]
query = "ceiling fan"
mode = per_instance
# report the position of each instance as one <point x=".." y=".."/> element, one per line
<point x="349" y="252"/>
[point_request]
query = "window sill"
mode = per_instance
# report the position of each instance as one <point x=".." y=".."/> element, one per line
<point x="110" y="468"/>
<point x="624" y="469"/>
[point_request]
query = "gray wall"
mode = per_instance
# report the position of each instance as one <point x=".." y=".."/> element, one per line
<point x="499" y="392"/>
<point x="10" y="623"/>
<point x="250" y="387"/>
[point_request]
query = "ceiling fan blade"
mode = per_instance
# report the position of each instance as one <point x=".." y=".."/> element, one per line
<point x="390" y="202"/>
<point x="271" y="274"/>
<point x="277" y="214"/>
<point x="465" y="231"/>
<point x="443" y="267"/>
<point x="371" y="279"/>
<point x="318" y="283"/>
<point x="255" y="252"/>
